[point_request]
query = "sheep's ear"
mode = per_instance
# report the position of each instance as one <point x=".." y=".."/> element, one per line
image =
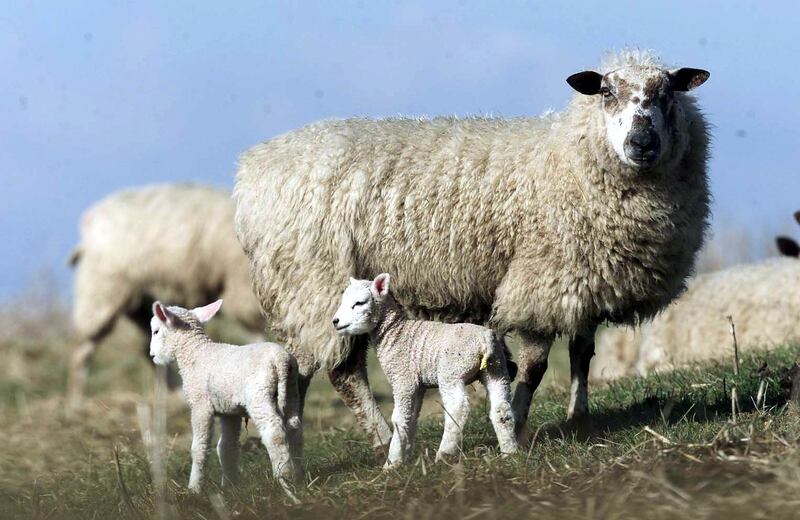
<point x="207" y="312"/>
<point x="788" y="247"/>
<point x="164" y="315"/>
<point x="685" y="79"/>
<point x="380" y="286"/>
<point x="797" y="216"/>
<point x="587" y="82"/>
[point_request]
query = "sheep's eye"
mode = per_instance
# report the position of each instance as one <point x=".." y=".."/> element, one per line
<point x="606" y="92"/>
<point x="356" y="304"/>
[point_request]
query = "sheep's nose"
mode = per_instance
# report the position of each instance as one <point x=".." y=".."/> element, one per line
<point x="335" y="321"/>
<point x="643" y="141"/>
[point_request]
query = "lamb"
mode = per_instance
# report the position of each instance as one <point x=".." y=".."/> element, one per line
<point x="762" y="298"/>
<point x="540" y="226"/>
<point x="416" y="355"/>
<point x="173" y="242"/>
<point x="258" y="381"/>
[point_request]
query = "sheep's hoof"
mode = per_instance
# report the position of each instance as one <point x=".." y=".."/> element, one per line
<point x="580" y="424"/>
<point x="381" y="453"/>
<point x="392" y="465"/>
<point x="524" y="436"/>
<point x="195" y="489"/>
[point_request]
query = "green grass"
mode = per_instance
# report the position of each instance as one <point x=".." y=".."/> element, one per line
<point x="658" y="447"/>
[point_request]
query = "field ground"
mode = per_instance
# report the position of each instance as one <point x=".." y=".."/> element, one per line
<point x="660" y="447"/>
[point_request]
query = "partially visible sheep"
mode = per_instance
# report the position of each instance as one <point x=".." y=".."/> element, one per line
<point x="542" y="225"/>
<point x="416" y="355"/>
<point x="762" y="298"/>
<point x="258" y="381"/>
<point x="170" y="242"/>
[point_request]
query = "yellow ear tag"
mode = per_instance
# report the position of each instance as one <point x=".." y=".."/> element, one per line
<point x="485" y="361"/>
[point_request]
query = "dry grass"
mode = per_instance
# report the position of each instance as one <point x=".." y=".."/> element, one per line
<point x="660" y="447"/>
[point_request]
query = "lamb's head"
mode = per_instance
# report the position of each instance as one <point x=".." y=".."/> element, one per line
<point x="169" y="322"/>
<point x="363" y="303"/>
<point x="643" y="107"/>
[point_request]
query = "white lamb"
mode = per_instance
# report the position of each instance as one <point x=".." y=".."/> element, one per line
<point x="416" y="355"/>
<point x="258" y="381"/>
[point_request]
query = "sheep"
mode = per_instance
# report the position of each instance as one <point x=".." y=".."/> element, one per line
<point x="762" y="299"/>
<point x="258" y="381"/>
<point x="541" y="226"/>
<point x="416" y="355"/>
<point x="172" y="242"/>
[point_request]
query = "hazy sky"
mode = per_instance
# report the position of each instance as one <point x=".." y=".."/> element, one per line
<point x="95" y="97"/>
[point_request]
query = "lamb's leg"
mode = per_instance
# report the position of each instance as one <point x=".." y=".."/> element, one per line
<point x="403" y="421"/>
<point x="533" y="352"/>
<point x="228" y="448"/>
<point x="456" y="412"/>
<point x="292" y="417"/>
<point x="498" y="388"/>
<point x="270" y="426"/>
<point x="351" y="381"/>
<point x="581" y="350"/>
<point x="202" y="431"/>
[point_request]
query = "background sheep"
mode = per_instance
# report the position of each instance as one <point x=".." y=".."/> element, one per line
<point x="170" y="242"/>
<point x="232" y="381"/>
<point x="416" y="355"/>
<point x="540" y="225"/>
<point x="762" y="298"/>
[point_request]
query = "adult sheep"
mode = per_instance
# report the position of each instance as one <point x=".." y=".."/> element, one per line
<point x="763" y="299"/>
<point x="172" y="243"/>
<point x="543" y="226"/>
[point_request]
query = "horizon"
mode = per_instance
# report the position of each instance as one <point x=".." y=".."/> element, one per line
<point x="97" y="98"/>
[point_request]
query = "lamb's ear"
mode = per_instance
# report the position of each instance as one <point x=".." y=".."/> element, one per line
<point x="797" y="216"/>
<point x="207" y="312"/>
<point x="164" y="314"/>
<point x="685" y="79"/>
<point x="788" y="247"/>
<point x="380" y="286"/>
<point x="587" y="82"/>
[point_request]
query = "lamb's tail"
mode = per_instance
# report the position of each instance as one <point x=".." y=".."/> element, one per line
<point x="498" y="352"/>
<point x="288" y="395"/>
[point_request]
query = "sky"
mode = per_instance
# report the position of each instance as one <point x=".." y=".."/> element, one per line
<point x="96" y="96"/>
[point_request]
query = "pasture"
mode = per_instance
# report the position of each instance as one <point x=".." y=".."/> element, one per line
<point x="664" y="446"/>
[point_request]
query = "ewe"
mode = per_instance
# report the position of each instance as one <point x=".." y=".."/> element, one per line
<point x="540" y="225"/>
<point x="763" y="299"/>
<point x="169" y="242"/>
<point x="416" y="355"/>
<point x="258" y="381"/>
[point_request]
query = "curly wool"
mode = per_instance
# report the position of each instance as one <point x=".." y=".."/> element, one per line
<point x="533" y="222"/>
<point x="762" y="298"/>
<point x="170" y="242"/>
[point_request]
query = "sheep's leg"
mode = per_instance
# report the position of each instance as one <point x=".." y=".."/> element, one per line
<point x="456" y="412"/>
<point x="202" y="431"/>
<point x="498" y="388"/>
<point x="292" y="415"/>
<point x="79" y="371"/>
<point x="533" y="352"/>
<point x="351" y="381"/>
<point x="581" y="350"/>
<point x="404" y="423"/>
<point x="270" y="426"/>
<point x="228" y="448"/>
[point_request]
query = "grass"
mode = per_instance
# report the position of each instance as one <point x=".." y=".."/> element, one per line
<point x="658" y="447"/>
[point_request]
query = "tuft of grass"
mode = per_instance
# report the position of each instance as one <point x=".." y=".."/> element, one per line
<point x="658" y="447"/>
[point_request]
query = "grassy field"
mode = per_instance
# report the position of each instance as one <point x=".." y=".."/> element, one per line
<point x="660" y="447"/>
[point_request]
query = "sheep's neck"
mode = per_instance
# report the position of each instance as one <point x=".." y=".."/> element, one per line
<point x="391" y="317"/>
<point x="187" y="346"/>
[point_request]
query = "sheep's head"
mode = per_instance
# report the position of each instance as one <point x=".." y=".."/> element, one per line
<point x="361" y="307"/>
<point x="643" y="112"/>
<point x="168" y="321"/>
<point x="788" y="246"/>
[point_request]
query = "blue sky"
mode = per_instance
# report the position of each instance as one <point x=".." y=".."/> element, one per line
<point x="96" y="96"/>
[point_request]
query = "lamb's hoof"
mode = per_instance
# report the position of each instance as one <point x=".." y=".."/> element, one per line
<point x="381" y="453"/>
<point x="447" y="458"/>
<point x="389" y="465"/>
<point x="195" y="489"/>
<point x="524" y="436"/>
